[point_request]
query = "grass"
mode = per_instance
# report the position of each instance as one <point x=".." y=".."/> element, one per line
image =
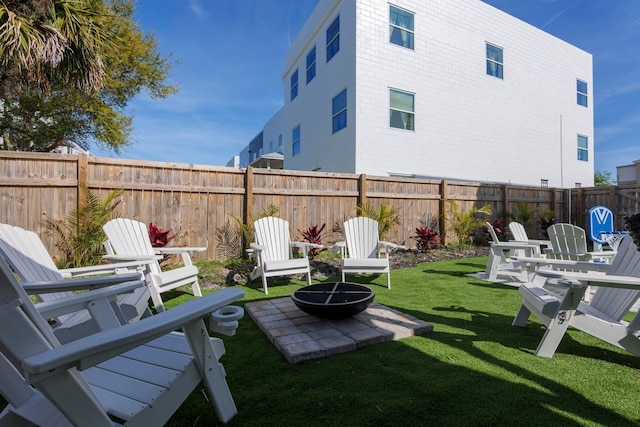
<point x="475" y="369"/>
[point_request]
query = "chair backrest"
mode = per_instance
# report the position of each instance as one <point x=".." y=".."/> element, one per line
<point x="29" y="334"/>
<point x="361" y="235"/>
<point x="492" y="233"/>
<point x="130" y="238"/>
<point x="273" y="233"/>
<point x="518" y="232"/>
<point x="26" y="254"/>
<point x="616" y="302"/>
<point x="568" y="239"/>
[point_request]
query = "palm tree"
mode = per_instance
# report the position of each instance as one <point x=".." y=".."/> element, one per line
<point x="46" y="42"/>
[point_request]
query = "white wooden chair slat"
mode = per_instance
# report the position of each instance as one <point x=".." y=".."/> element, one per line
<point x="601" y="317"/>
<point x="124" y="385"/>
<point x="130" y="239"/>
<point x="142" y="370"/>
<point x="273" y="250"/>
<point x="29" y="258"/>
<point x="60" y="379"/>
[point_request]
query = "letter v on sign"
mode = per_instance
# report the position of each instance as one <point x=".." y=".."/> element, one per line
<point x="600" y="221"/>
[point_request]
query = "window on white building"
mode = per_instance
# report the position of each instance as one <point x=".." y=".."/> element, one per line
<point x="280" y="142"/>
<point x="294" y="85"/>
<point x="333" y="38"/>
<point x="339" y="111"/>
<point x="402" y="109"/>
<point x="583" y="148"/>
<point x="583" y="93"/>
<point x="495" y="62"/>
<point x="544" y="183"/>
<point x="311" y="64"/>
<point x="295" y="139"/>
<point x="401" y="27"/>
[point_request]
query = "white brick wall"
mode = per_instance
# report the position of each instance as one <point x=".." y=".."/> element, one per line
<point x="468" y="125"/>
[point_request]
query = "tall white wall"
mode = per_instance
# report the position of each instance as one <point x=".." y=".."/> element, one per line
<point x="468" y="125"/>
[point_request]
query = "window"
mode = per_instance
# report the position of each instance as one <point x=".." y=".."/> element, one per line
<point x="544" y="183"/>
<point x="295" y="138"/>
<point x="280" y="141"/>
<point x="271" y="146"/>
<point x="294" y="85"/>
<point x="401" y="110"/>
<point x="401" y="27"/>
<point x="311" y="65"/>
<point x="582" y="93"/>
<point x="333" y="38"/>
<point x="583" y="148"/>
<point x="339" y="111"/>
<point x="494" y="61"/>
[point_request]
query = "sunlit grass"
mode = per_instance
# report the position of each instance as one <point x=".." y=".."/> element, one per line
<point x="475" y="368"/>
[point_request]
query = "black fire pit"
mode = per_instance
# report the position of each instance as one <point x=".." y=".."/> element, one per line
<point x="333" y="300"/>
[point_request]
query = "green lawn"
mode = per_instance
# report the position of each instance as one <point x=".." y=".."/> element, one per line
<point x="475" y="369"/>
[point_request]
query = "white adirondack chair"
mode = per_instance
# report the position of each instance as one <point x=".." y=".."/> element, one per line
<point x="135" y="374"/>
<point x="128" y="240"/>
<point x="569" y="242"/>
<point x="617" y="292"/>
<point x="273" y="250"/>
<point x="362" y="251"/>
<point x="519" y="234"/>
<point x="28" y="257"/>
<point x="498" y="264"/>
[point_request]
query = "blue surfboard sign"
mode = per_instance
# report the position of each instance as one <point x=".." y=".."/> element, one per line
<point x="600" y="221"/>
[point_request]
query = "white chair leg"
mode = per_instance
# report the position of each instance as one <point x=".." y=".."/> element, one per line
<point x="343" y="277"/>
<point x="264" y="284"/>
<point x="389" y="280"/>
<point x="196" y="289"/>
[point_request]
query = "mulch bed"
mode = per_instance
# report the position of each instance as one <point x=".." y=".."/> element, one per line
<point x="322" y="267"/>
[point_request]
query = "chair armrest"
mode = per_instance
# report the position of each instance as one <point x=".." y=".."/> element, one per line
<point x="103" y="268"/>
<point x="85" y="283"/>
<point x="120" y="258"/>
<point x="98" y="347"/>
<point x="179" y="250"/>
<point x="257" y="247"/>
<point x="78" y="302"/>
<point x="608" y="280"/>
<point x="183" y="252"/>
<point x="307" y="245"/>
<point x="564" y="263"/>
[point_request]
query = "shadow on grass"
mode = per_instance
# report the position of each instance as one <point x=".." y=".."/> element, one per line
<point x="481" y="336"/>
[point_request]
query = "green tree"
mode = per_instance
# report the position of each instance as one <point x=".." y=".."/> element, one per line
<point x="69" y="68"/>
<point x="603" y="179"/>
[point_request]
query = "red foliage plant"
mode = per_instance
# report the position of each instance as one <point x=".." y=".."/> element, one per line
<point x="426" y="239"/>
<point x="159" y="237"/>
<point x="314" y="235"/>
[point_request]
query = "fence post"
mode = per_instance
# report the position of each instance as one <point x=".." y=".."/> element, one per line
<point x="443" y="211"/>
<point x="248" y="195"/>
<point x="362" y="189"/>
<point x="83" y="179"/>
<point x="505" y="204"/>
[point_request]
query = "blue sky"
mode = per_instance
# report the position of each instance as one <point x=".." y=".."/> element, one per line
<point x="230" y="56"/>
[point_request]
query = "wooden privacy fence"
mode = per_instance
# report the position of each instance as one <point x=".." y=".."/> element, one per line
<point x="197" y="201"/>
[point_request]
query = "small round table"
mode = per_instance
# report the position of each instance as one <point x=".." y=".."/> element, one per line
<point x="333" y="300"/>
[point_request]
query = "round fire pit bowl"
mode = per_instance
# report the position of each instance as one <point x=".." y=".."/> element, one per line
<point x="333" y="300"/>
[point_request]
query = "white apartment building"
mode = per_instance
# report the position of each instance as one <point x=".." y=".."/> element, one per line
<point x="452" y="89"/>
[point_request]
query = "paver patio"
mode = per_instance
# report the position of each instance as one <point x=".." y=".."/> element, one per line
<point x="301" y="336"/>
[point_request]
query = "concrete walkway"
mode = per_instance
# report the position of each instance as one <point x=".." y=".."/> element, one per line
<point x="300" y="336"/>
